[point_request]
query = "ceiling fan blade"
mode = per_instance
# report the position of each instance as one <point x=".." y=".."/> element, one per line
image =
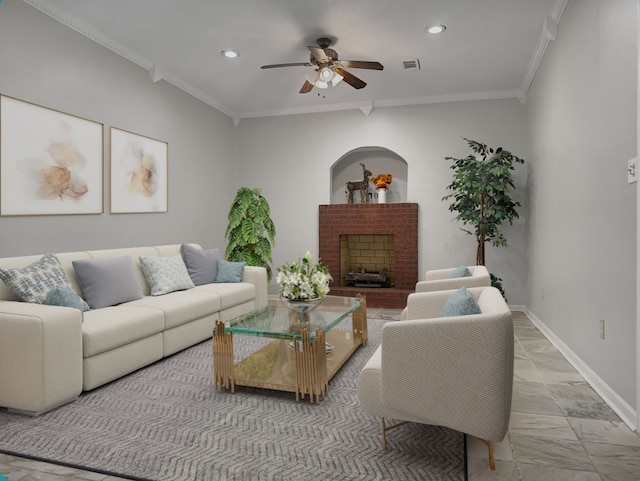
<point x="319" y="54"/>
<point x="294" y="64"/>
<point x="306" y="87"/>
<point x="351" y="79"/>
<point x="362" y="64"/>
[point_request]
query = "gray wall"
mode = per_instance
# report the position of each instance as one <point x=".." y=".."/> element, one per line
<point x="46" y="63"/>
<point x="282" y="156"/>
<point x="582" y="222"/>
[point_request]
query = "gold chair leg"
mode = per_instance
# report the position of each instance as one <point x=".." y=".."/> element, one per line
<point x="384" y="436"/>
<point x="386" y="428"/>
<point x="492" y="461"/>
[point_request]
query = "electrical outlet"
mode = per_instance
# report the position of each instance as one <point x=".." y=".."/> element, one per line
<point x="601" y="328"/>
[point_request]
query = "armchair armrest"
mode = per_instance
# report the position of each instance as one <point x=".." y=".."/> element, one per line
<point x="40" y="356"/>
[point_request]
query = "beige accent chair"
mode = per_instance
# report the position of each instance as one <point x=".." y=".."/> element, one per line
<point x="455" y="372"/>
<point x="440" y="279"/>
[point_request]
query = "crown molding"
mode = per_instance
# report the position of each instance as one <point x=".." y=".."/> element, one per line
<point x="547" y="33"/>
<point x="432" y="99"/>
<point x="156" y="73"/>
<point x="143" y="62"/>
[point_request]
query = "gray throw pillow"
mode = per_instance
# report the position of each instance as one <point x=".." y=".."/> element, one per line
<point x="461" y="271"/>
<point x="165" y="274"/>
<point x="230" y="271"/>
<point x="33" y="283"/>
<point x="107" y="282"/>
<point x="202" y="265"/>
<point x="66" y="297"/>
<point x="460" y="303"/>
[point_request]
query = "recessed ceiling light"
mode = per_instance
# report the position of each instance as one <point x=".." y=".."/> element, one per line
<point x="435" y="29"/>
<point x="230" y="53"/>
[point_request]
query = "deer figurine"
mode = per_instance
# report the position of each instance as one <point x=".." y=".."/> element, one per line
<point x="359" y="185"/>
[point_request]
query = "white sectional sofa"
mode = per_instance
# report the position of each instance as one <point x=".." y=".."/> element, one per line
<point x="50" y="354"/>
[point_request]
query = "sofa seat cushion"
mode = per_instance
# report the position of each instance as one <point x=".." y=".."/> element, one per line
<point x="112" y="327"/>
<point x="231" y="294"/>
<point x="181" y="307"/>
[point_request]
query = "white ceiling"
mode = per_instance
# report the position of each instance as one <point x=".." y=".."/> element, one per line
<point x="491" y="48"/>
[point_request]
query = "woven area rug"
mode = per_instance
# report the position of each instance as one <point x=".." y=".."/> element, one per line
<point x="166" y="423"/>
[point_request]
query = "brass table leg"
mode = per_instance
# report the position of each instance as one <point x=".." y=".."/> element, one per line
<point x="311" y="366"/>
<point x="223" y="358"/>
<point x="359" y="322"/>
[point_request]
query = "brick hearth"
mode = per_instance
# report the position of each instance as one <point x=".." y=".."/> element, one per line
<point x="397" y="219"/>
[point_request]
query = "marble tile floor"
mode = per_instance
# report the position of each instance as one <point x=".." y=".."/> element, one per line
<point x="560" y="429"/>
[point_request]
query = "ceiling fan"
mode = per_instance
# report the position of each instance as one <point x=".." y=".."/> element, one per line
<point x="329" y="69"/>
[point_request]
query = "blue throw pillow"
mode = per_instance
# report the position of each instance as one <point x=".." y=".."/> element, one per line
<point x="64" y="296"/>
<point x="460" y="303"/>
<point x="230" y="271"/>
<point x="461" y="271"/>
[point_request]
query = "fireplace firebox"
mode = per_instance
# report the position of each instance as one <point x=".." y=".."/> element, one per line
<point x="366" y="260"/>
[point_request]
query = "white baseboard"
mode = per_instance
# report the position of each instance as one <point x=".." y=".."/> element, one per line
<point x="626" y="412"/>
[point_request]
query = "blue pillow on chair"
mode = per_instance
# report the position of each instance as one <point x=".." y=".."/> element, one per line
<point x="461" y="271"/>
<point x="460" y="303"/>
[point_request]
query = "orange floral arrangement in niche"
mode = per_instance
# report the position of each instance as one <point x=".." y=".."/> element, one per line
<point x="382" y="181"/>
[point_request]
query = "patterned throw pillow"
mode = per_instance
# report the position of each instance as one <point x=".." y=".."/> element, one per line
<point x="65" y="297"/>
<point x="33" y="283"/>
<point x="460" y="303"/>
<point x="165" y="274"/>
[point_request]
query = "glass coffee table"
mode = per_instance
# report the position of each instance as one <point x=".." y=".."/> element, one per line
<point x="306" y="352"/>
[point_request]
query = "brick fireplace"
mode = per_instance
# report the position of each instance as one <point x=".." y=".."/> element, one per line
<point x="378" y="228"/>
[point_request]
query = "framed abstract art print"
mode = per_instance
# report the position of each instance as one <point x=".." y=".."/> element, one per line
<point x="51" y="162"/>
<point x="139" y="173"/>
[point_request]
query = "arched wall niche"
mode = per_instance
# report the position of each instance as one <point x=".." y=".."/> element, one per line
<point x="378" y="160"/>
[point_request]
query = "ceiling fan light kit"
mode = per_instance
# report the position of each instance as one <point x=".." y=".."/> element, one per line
<point x="323" y="77"/>
<point x="329" y="69"/>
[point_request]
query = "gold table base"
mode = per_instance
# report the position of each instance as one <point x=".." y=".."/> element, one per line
<point x="302" y="367"/>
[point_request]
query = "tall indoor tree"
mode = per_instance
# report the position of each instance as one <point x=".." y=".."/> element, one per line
<point x="251" y="232"/>
<point x="480" y="194"/>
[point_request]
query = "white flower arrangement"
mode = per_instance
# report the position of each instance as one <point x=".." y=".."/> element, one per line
<point x="302" y="280"/>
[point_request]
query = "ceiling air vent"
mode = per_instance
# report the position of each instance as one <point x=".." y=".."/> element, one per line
<point x="411" y="64"/>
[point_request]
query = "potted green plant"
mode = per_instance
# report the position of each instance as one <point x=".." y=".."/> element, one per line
<point x="480" y="195"/>
<point x="251" y="232"/>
